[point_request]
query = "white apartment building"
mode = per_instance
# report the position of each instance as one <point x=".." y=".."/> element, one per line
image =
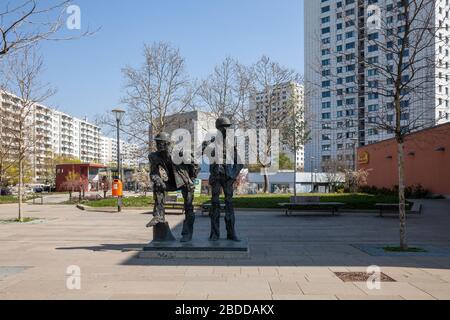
<point x="51" y="133"/>
<point x="108" y="150"/>
<point x="340" y="109"/>
<point x="76" y="138"/>
<point x="278" y="108"/>
<point x="129" y="153"/>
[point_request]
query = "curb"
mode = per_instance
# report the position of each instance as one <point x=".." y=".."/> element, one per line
<point x="114" y="209"/>
<point x="275" y="210"/>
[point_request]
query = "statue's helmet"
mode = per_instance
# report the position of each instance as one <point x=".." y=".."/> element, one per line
<point x="163" y="137"/>
<point x="223" y="122"/>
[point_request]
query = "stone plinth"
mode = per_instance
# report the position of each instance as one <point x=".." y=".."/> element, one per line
<point x="162" y="233"/>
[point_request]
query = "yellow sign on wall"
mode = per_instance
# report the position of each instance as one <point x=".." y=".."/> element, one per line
<point x="363" y="157"/>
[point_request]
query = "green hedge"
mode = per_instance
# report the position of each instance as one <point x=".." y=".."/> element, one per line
<point x="261" y="201"/>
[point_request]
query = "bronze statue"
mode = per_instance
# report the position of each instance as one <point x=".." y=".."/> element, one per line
<point x="222" y="177"/>
<point x="168" y="176"/>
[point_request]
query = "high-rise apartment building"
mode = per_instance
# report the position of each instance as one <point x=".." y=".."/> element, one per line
<point x="340" y="44"/>
<point x="279" y="107"/>
<point x="130" y="153"/>
<point x="48" y="133"/>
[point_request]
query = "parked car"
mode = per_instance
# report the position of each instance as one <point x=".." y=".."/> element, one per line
<point x="5" y="191"/>
<point x="38" y="190"/>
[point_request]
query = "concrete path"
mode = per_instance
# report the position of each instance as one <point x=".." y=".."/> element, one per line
<point x="292" y="257"/>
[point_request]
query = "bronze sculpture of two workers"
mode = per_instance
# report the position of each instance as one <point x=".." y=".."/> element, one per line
<point x="167" y="176"/>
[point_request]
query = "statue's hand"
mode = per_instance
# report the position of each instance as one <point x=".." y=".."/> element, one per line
<point x="159" y="183"/>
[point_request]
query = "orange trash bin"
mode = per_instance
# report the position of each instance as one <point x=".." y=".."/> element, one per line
<point x="117" y="188"/>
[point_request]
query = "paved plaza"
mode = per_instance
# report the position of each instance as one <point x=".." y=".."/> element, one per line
<point x="291" y="257"/>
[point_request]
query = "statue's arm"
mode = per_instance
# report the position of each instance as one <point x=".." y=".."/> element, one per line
<point x="195" y="167"/>
<point x="154" y="171"/>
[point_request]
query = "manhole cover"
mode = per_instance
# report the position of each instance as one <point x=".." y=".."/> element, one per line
<point x="360" y="277"/>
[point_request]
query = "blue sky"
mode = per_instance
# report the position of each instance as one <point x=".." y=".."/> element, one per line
<point x="87" y="74"/>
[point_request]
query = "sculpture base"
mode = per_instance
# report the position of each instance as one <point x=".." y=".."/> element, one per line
<point x="197" y="249"/>
<point x="162" y="233"/>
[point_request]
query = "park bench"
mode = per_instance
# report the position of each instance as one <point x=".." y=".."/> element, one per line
<point x="206" y="207"/>
<point x="393" y="208"/>
<point x="333" y="206"/>
<point x="302" y="203"/>
<point x="172" y="203"/>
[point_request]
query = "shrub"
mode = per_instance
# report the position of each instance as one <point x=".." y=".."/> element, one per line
<point x="419" y="192"/>
<point x="412" y="192"/>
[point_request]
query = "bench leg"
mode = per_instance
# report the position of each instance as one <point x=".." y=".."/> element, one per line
<point x="336" y="211"/>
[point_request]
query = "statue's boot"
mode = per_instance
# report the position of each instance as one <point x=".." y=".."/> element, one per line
<point x="215" y="223"/>
<point x="231" y="231"/>
<point x="156" y="220"/>
<point x="188" y="227"/>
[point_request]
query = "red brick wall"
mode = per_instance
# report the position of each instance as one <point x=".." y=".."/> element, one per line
<point x="423" y="164"/>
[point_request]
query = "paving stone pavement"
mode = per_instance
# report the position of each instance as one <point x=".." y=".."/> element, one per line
<point x="291" y="257"/>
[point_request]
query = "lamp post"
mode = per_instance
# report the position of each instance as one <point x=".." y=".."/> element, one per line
<point x="312" y="172"/>
<point x="119" y="116"/>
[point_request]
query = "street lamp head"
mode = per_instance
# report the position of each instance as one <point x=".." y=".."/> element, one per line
<point x="119" y="114"/>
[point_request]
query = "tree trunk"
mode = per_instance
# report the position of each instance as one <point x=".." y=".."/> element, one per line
<point x="20" y="189"/>
<point x="266" y="181"/>
<point x="1" y="176"/>
<point x="401" y="195"/>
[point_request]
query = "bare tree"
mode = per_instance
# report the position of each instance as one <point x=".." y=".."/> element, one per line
<point x="27" y="22"/>
<point x="398" y="75"/>
<point x="158" y="88"/>
<point x="270" y="83"/>
<point x="226" y="91"/>
<point x="142" y="179"/>
<point x="72" y="184"/>
<point x="22" y="71"/>
<point x="355" y="179"/>
<point x="334" y="173"/>
<point x="295" y="131"/>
